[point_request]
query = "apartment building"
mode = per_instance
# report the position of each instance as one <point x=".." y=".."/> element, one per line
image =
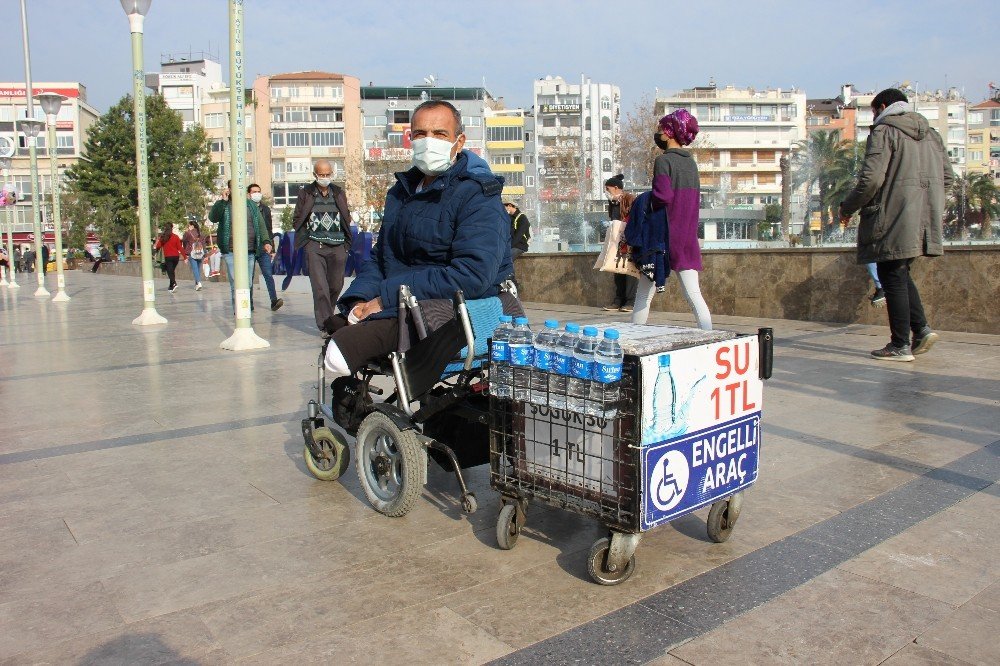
<point x="983" y="145"/>
<point x="837" y="114"/>
<point x="302" y="117"/>
<point x="185" y="82"/>
<point x="743" y="135"/>
<point x="505" y="148"/>
<point x="577" y="141"/>
<point x="72" y="127"/>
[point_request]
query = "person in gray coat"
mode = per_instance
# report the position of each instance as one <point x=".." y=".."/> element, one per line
<point x="901" y="196"/>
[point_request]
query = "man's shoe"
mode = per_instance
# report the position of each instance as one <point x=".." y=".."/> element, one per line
<point x="625" y="308"/>
<point x="277" y="304"/>
<point x="611" y="308"/>
<point x="173" y="289"/>
<point x="878" y="298"/>
<point x="926" y="340"/>
<point x="197" y="287"/>
<point x="892" y="353"/>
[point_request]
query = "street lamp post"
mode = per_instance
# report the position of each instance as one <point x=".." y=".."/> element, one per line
<point x="30" y="128"/>
<point x="243" y="337"/>
<point x="136" y="11"/>
<point x="10" y="280"/>
<point x="50" y="103"/>
<point x="32" y="153"/>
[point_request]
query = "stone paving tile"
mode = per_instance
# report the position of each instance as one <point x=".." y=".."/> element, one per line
<point x="918" y="655"/>
<point x="949" y="557"/>
<point x="968" y="634"/>
<point x="836" y="618"/>
<point x="988" y="598"/>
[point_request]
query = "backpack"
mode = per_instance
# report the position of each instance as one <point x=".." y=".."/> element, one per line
<point x="197" y="250"/>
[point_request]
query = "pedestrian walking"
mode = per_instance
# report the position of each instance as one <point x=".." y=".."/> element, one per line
<point x="322" y="223"/>
<point x="29" y="260"/>
<point x="18" y="260"/>
<point x="901" y="197"/>
<point x="221" y="213"/>
<point x="676" y="191"/>
<point x="520" y="234"/>
<point x="194" y="248"/>
<point x="878" y="298"/>
<point x="45" y="258"/>
<point x="266" y="256"/>
<point x="619" y="206"/>
<point x="173" y="253"/>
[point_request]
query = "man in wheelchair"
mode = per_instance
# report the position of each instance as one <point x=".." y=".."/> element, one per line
<point x="444" y="229"/>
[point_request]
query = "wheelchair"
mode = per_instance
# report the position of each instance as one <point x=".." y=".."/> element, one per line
<point x="438" y="408"/>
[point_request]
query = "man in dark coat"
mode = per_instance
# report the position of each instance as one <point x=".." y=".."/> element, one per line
<point x="901" y="196"/>
<point x="443" y="229"/>
<point x="322" y="223"/>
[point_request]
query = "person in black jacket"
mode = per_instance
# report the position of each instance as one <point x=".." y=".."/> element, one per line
<point x="322" y="224"/>
<point x="264" y="258"/>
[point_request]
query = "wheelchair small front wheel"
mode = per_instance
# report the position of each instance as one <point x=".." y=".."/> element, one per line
<point x="508" y="527"/>
<point x="334" y="456"/>
<point x="389" y="464"/>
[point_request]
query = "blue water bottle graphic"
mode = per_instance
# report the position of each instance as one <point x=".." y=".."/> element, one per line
<point x="606" y="388"/>
<point x="562" y="363"/>
<point x="582" y="373"/>
<point x="522" y="356"/>
<point x="664" y="401"/>
<point x="500" y="377"/>
<point x="545" y="345"/>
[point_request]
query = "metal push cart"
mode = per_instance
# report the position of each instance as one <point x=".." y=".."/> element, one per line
<point x="684" y="433"/>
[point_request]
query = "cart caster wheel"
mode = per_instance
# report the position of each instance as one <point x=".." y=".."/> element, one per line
<point x="390" y="464"/>
<point x="508" y="527"/>
<point x="469" y="503"/>
<point x="722" y="517"/>
<point x="336" y="455"/>
<point x="597" y="565"/>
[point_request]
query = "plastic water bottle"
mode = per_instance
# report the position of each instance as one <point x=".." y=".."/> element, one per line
<point x="607" y="375"/>
<point x="522" y="357"/>
<point x="582" y="373"/>
<point x="500" y="377"/>
<point x="664" y="398"/>
<point x="545" y="345"/>
<point x="562" y="363"/>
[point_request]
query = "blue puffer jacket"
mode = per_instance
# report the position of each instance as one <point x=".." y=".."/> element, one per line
<point x="453" y="235"/>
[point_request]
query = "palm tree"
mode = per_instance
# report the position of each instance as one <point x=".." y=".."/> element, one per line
<point x="844" y="175"/>
<point x="817" y="159"/>
<point x="973" y="197"/>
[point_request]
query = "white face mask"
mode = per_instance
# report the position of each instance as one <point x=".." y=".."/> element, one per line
<point x="256" y="197"/>
<point x="324" y="182"/>
<point x="432" y="156"/>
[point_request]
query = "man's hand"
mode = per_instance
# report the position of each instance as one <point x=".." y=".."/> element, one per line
<point x="845" y="219"/>
<point x="364" y="310"/>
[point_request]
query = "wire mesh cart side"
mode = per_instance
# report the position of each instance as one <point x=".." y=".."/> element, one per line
<point x="683" y="434"/>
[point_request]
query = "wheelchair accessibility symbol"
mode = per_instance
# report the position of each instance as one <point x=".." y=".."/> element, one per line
<point x="669" y="480"/>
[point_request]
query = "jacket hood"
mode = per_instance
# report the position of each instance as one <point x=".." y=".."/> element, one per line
<point x="912" y="124"/>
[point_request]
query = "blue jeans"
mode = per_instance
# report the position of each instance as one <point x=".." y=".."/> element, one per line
<point x="230" y="268"/>
<point x="264" y="259"/>
<point x="874" y="273"/>
<point x="195" y="265"/>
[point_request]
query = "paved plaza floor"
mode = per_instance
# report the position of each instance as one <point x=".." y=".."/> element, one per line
<point x="155" y="508"/>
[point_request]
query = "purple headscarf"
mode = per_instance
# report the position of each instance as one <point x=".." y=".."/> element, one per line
<point x="680" y="125"/>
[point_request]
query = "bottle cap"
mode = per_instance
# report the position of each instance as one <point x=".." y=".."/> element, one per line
<point x="665" y="361"/>
<point x="611" y="334"/>
<point x="590" y="331"/>
<point x="506" y="319"/>
<point x="521" y="321"/>
<point x="572" y="328"/>
<point x="551" y="323"/>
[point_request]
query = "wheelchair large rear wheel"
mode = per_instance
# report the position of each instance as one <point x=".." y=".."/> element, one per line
<point x="389" y="464"/>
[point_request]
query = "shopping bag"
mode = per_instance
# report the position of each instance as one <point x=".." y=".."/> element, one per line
<point x="613" y="259"/>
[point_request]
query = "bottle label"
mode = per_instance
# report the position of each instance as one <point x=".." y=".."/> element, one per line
<point x="522" y="354"/>
<point x="607" y="373"/>
<point x="583" y="369"/>
<point x="543" y="360"/>
<point x="499" y="352"/>
<point x="561" y="364"/>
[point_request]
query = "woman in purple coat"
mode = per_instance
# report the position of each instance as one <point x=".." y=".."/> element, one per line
<point x="676" y="187"/>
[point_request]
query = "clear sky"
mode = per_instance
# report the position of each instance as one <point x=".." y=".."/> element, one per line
<point x="639" y="44"/>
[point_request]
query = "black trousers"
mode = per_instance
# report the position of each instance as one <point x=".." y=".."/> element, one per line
<point x="170" y="263"/>
<point x="625" y="288"/>
<point x="326" y="277"/>
<point x="902" y="300"/>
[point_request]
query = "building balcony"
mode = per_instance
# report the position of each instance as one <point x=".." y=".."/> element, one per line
<point x="308" y="125"/>
<point x="507" y="168"/>
<point x="513" y="190"/>
<point x="505" y="145"/>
